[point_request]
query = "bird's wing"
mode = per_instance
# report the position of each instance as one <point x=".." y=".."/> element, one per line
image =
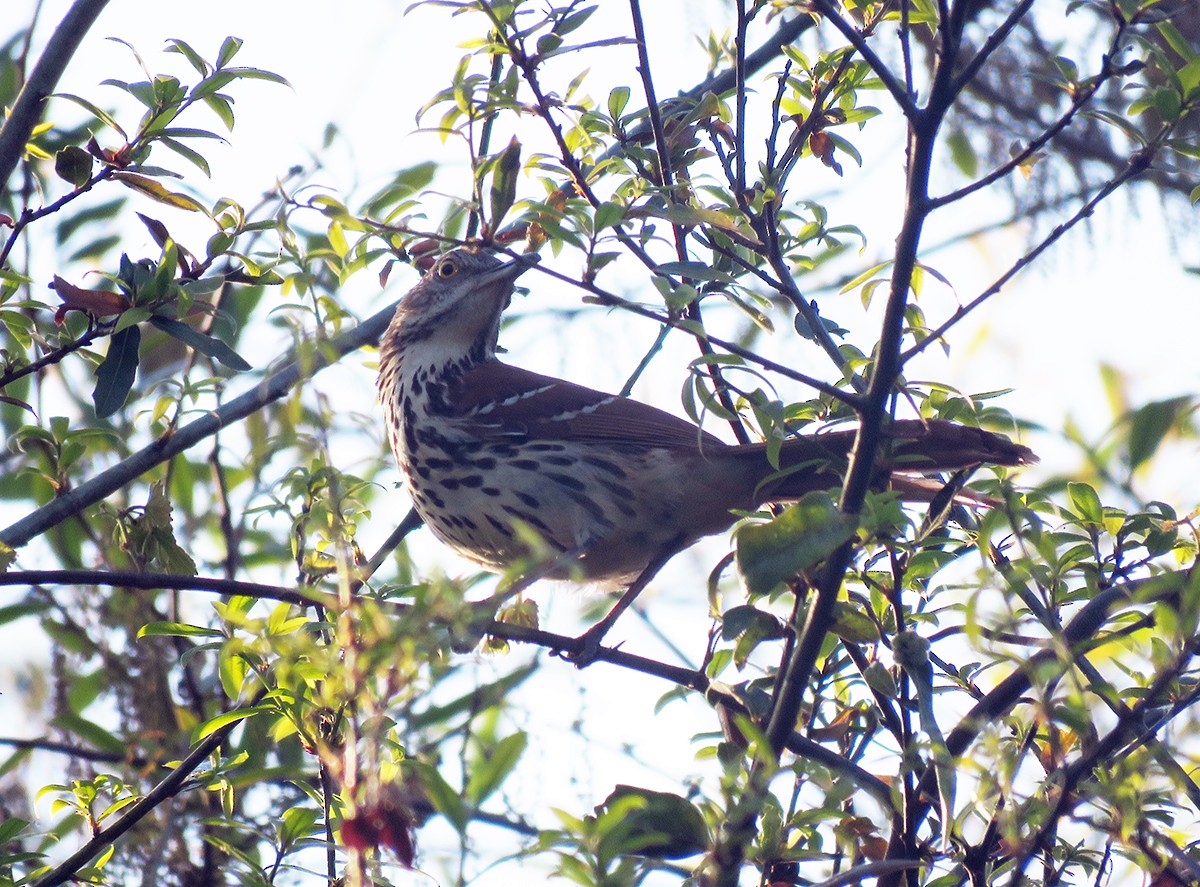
<point x="511" y="401"/>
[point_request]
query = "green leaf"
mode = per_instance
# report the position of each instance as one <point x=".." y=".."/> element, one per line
<point x="659" y="825"/>
<point x="963" y="153"/>
<point x="1150" y="424"/>
<point x="177" y="630"/>
<point x="193" y="57"/>
<point x="74" y="165"/>
<point x="851" y="624"/>
<point x="206" y="345"/>
<point x="695" y="271"/>
<point x="442" y="795"/>
<point x="103" y="116"/>
<point x="490" y="770"/>
<point x="298" y="824"/>
<point x="1086" y="504"/>
<point x="155" y="191"/>
<point x="212" y="725"/>
<point x="13" y="612"/>
<point x="474" y="700"/>
<point x="194" y="157"/>
<point x="504" y="182"/>
<point x="257" y="74"/>
<point x="617" y="100"/>
<point x="229" y="48"/>
<point x="805" y="534"/>
<point x="116" y="374"/>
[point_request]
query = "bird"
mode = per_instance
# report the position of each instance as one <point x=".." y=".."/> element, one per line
<point x="614" y="487"/>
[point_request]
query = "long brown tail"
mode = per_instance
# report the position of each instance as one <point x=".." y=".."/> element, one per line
<point x="914" y="447"/>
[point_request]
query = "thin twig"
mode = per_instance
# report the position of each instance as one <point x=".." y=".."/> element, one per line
<point x="1137" y="165"/>
<point x="899" y="92"/>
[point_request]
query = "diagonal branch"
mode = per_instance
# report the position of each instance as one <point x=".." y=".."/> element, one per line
<point x="274" y="386"/>
<point x="41" y="83"/>
<point x="170" y="786"/>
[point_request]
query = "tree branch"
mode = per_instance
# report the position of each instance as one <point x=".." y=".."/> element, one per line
<point x="274" y="386"/>
<point x="41" y="83"/>
<point x="168" y="788"/>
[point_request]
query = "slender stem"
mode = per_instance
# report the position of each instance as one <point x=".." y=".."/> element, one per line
<point x="663" y="159"/>
<point x="52" y="357"/>
<point x="995" y="40"/>
<point x="739" y="73"/>
<point x="606" y="298"/>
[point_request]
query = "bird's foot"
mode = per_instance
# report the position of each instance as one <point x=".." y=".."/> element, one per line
<point x="587" y="646"/>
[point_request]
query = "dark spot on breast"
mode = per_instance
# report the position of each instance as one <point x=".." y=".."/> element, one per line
<point x="487" y="463"/>
<point x="471" y="481"/>
<point x="532" y="519"/>
<point x="501" y="528"/>
<point x="566" y="480"/>
<point x="438" y="463"/>
<point x="558" y="460"/>
<point x="604" y="465"/>
<point x="410" y="430"/>
<point x="590" y="506"/>
<point x="526" y="464"/>
<point x="531" y="501"/>
<point x="621" y="498"/>
<point x="489" y="491"/>
<point x="545" y="447"/>
<point x="448" y="483"/>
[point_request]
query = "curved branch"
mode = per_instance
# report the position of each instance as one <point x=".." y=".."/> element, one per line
<point x="41" y="83"/>
<point x="174" y="581"/>
<point x="1082" y="98"/>
<point x="75" y="751"/>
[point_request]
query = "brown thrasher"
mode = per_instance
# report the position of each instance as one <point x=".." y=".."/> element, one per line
<point x="613" y="486"/>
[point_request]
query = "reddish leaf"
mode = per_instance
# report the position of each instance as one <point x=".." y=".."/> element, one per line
<point x="98" y="303"/>
<point x="822" y="146"/>
<point x="386" y="824"/>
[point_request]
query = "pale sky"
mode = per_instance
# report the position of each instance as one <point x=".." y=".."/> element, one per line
<point x="1115" y="294"/>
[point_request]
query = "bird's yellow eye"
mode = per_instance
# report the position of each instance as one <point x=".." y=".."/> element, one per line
<point x="447" y="269"/>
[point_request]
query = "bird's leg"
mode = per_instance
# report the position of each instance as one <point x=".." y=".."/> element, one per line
<point x="589" y="641"/>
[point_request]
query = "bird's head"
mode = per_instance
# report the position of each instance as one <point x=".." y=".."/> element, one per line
<point x="455" y="308"/>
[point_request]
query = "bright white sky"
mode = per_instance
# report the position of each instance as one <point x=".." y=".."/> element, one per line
<point x="365" y="67"/>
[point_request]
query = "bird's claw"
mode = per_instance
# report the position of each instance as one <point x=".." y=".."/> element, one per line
<point x="587" y="646"/>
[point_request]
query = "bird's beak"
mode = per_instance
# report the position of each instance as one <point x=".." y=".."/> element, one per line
<point x="511" y="270"/>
